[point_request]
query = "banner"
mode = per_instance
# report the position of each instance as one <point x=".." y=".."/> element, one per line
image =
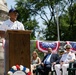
<point x="43" y="46"/>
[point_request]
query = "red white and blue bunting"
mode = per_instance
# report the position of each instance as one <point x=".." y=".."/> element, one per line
<point x="43" y="46"/>
<point x="19" y="68"/>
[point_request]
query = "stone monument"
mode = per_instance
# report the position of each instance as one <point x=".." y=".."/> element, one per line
<point x="3" y="11"/>
<point x="3" y="16"/>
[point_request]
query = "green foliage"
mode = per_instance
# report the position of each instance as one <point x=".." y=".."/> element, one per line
<point x="31" y="25"/>
<point x="68" y="21"/>
<point x="25" y="16"/>
<point x="51" y="12"/>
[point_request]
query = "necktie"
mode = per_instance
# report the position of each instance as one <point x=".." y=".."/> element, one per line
<point x="47" y="60"/>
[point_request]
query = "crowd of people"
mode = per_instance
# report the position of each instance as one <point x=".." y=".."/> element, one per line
<point x="57" y="61"/>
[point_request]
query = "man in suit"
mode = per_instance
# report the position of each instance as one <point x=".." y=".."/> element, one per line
<point x="49" y="59"/>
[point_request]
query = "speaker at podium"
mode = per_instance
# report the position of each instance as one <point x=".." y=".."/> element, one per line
<point x="17" y="48"/>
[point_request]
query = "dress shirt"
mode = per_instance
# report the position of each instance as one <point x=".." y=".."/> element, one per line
<point x="47" y="59"/>
<point x="9" y="25"/>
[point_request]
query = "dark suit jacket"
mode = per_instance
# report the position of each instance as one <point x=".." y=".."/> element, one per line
<point x="54" y="58"/>
<point x="58" y="61"/>
<point x="44" y="70"/>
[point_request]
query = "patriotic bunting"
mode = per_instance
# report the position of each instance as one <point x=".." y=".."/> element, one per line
<point x="16" y="68"/>
<point x="43" y="46"/>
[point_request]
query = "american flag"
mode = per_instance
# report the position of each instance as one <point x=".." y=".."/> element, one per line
<point x="43" y="46"/>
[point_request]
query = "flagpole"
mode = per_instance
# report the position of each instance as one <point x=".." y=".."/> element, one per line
<point x="58" y="35"/>
<point x="58" y="29"/>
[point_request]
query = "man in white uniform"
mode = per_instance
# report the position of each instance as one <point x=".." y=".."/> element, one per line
<point x="66" y="58"/>
<point x="12" y="23"/>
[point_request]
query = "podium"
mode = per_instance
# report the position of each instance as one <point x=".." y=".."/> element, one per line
<point x="17" y="49"/>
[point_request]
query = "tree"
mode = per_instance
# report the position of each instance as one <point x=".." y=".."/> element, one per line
<point x="25" y="16"/>
<point x="51" y="13"/>
<point x="72" y="19"/>
<point x="68" y="22"/>
<point x="38" y="8"/>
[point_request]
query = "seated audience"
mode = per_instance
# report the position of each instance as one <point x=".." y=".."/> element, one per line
<point x="34" y="61"/>
<point x="60" y="52"/>
<point x="66" y="58"/>
<point x="45" y="67"/>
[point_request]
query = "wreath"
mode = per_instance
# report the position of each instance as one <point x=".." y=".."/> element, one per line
<point x="19" y="68"/>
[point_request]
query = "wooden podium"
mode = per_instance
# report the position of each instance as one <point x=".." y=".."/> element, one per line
<point x="17" y="49"/>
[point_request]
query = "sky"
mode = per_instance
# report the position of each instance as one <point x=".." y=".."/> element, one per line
<point x="10" y="3"/>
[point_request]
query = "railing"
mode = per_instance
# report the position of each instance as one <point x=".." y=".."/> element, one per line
<point x="72" y="68"/>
